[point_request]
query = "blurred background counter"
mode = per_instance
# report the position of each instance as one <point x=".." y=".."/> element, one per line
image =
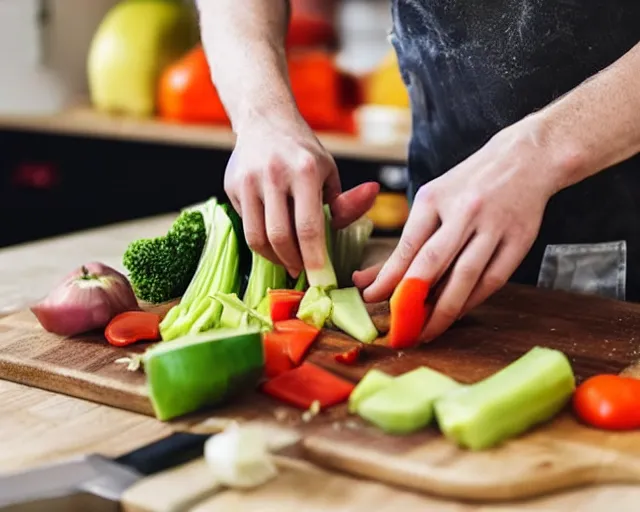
<point x="108" y="113"/>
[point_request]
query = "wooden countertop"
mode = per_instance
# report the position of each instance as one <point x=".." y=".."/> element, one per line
<point x="84" y="122"/>
<point x="38" y="426"/>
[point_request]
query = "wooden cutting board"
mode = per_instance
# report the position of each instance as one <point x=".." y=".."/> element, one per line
<point x="598" y="335"/>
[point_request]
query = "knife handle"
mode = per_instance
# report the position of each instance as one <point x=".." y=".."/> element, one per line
<point x="171" y="451"/>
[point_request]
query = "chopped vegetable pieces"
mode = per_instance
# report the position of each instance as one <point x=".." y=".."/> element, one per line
<point x="325" y="277"/>
<point x="406" y="404"/>
<point x="373" y="381"/>
<point x="529" y="391"/>
<point x="609" y="402"/>
<point x="408" y="312"/>
<point x="315" y="307"/>
<point x="299" y="338"/>
<point x="349" y="314"/>
<point x="283" y="304"/>
<point x="276" y="353"/>
<point x="348" y="357"/>
<point x="307" y="383"/>
<point x="189" y="373"/>
<point x="132" y="326"/>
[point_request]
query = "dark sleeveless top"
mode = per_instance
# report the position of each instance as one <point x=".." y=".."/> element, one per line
<point x="473" y="67"/>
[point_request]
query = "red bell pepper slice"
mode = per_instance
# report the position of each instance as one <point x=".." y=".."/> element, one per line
<point x="349" y="357"/>
<point x="409" y="312"/>
<point x="276" y="357"/>
<point x="283" y="304"/>
<point x="300" y="336"/>
<point x="132" y="326"/>
<point x="307" y="383"/>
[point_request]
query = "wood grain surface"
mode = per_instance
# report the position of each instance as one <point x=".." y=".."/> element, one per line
<point x="598" y="335"/>
<point x="301" y="486"/>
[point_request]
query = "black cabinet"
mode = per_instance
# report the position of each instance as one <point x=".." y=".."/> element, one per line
<point x="55" y="184"/>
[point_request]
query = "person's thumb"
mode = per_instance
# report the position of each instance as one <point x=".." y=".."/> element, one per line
<point x="353" y="204"/>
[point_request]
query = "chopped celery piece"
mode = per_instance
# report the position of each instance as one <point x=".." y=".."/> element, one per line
<point x="324" y="277"/>
<point x="349" y="314"/>
<point x="529" y="391"/>
<point x="242" y="312"/>
<point x="264" y="275"/>
<point x="315" y="307"/>
<point x="406" y="404"/>
<point x="373" y="381"/>
<point x="348" y="249"/>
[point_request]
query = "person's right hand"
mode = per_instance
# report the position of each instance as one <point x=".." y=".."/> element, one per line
<point x="277" y="179"/>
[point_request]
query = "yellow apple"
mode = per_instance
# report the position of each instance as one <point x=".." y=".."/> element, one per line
<point x="135" y="41"/>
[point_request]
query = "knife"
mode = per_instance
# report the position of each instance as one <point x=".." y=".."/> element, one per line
<point x="94" y="482"/>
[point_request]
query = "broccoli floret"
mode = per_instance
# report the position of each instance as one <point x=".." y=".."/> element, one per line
<point x="160" y="269"/>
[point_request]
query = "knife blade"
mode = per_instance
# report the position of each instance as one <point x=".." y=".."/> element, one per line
<point x="94" y="482"/>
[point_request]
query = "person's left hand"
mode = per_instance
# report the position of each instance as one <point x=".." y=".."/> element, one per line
<point x="470" y="229"/>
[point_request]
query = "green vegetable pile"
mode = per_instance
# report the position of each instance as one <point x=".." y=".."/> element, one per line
<point x="204" y="260"/>
<point x="214" y="332"/>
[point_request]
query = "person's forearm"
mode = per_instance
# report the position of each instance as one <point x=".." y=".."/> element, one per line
<point x="244" y="43"/>
<point x="595" y="126"/>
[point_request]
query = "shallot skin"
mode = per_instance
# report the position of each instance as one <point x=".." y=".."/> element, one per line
<point x="86" y="299"/>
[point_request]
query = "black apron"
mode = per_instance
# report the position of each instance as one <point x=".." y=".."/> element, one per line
<point x="473" y="67"/>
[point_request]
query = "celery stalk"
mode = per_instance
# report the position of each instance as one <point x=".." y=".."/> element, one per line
<point x="324" y="277"/>
<point x="348" y="249"/>
<point x="264" y="275"/>
<point x="217" y="271"/>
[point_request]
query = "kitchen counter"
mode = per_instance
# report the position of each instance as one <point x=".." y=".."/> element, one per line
<point x="38" y="426"/>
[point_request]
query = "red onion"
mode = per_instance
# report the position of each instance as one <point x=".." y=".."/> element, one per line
<point x="86" y="299"/>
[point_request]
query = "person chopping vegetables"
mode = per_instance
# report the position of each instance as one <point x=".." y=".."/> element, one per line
<point x="522" y="158"/>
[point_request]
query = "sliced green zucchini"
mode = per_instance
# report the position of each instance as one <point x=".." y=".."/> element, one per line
<point x="205" y="369"/>
<point x="529" y="391"/>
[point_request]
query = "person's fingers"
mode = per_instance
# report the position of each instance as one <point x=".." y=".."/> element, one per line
<point x="459" y="284"/>
<point x="309" y="223"/>
<point x="504" y="263"/>
<point x="437" y="254"/>
<point x="279" y="229"/>
<point x="353" y="204"/>
<point x="363" y="278"/>
<point x="253" y="224"/>
<point x="421" y="224"/>
<point x="235" y="202"/>
<point x="332" y="186"/>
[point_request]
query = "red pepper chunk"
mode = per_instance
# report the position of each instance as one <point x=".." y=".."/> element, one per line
<point x="283" y="304"/>
<point x="307" y="383"/>
<point x="349" y="357"/>
<point x="299" y="338"/>
<point x="609" y="402"/>
<point x="132" y="326"/>
<point x="409" y="312"/>
<point x="276" y="357"/>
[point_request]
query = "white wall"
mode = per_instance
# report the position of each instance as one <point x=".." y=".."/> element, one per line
<point x="43" y="67"/>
